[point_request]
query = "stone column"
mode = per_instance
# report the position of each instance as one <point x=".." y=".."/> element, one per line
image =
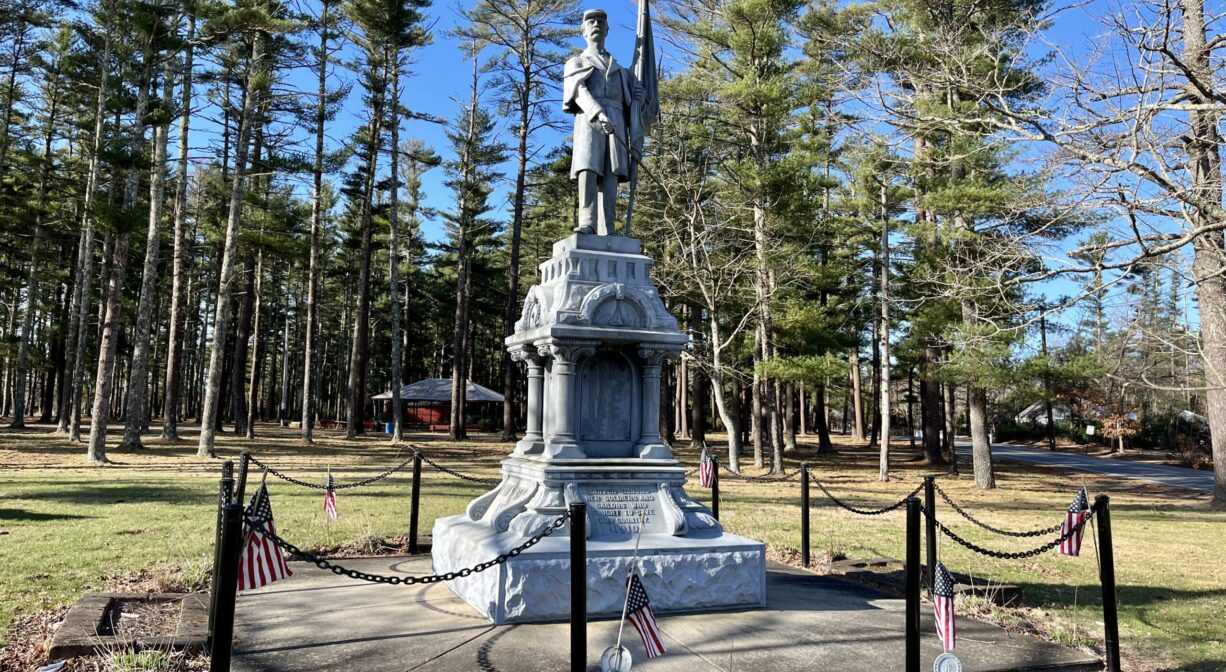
<point x="650" y="445"/>
<point x="562" y="442"/>
<point x="533" y="441"/>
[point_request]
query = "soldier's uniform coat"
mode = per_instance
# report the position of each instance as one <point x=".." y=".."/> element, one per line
<point x="592" y="84"/>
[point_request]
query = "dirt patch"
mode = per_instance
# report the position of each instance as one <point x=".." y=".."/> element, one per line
<point x="141" y="618"/>
<point x="29" y="639"/>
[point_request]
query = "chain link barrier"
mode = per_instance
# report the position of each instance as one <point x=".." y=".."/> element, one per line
<point x="453" y="472"/>
<point x="966" y="514"/>
<point x="339" y="570"/>
<point x="1012" y="555"/>
<point x="341" y="486"/>
<point x="373" y="479"/>
<point x="865" y="512"/>
<point x="766" y="478"/>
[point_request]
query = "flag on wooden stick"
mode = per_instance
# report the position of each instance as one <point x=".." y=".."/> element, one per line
<point x="706" y="470"/>
<point x="330" y="497"/>
<point x="943" y="607"/>
<point x="638" y="612"/>
<point x="261" y="562"/>
<point x="1073" y="530"/>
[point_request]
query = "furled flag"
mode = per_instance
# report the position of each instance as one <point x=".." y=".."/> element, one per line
<point x="1078" y="511"/>
<point x="330" y="498"/>
<point x="706" y="470"/>
<point x="943" y="607"/>
<point x="638" y="610"/>
<point x="261" y="562"/>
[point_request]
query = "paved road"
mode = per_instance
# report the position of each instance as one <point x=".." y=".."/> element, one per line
<point x="1191" y="479"/>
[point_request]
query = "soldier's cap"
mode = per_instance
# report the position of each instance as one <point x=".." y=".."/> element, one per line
<point x="595" y="12"/>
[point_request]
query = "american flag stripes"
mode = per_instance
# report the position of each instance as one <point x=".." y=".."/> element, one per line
<point x="1077" y="512"/>
<point x="706" y="470"/>
<point x="261" y="562"/>
<point x="330" y="498"/>
<point x="943" y="607"/>
<point x="638" y="611"/>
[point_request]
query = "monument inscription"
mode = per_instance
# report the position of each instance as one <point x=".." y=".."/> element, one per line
<point x="617" y="510"/>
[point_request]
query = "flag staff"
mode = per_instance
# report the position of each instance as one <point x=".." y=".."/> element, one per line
<point x="617" y="648"/>
<point x="643" y="113"/>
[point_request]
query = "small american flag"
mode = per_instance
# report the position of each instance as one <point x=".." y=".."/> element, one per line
<point x="1078" y="511"/>
<point x="943" y="607"/>
<point x="706" y="470"/>
<point x="330" y="498"/>
<point x="638" y="610"/>
<point x="261" y="562"/>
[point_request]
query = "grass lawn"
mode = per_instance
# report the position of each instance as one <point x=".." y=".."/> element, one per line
<point x="66" y="528"/>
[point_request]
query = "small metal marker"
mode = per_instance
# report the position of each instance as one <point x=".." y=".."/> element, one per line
<point x="615" y="659"/>
<point x="947" y="662"/>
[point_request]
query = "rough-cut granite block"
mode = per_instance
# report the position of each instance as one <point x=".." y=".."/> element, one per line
<point x="697" y="572"/>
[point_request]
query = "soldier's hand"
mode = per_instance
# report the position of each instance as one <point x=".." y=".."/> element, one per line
<point x="605" y="124"/>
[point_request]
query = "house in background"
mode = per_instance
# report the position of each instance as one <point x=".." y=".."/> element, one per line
<point x="427" y="403"/>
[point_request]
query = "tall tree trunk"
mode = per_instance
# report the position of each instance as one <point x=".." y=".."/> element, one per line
<point x="1209" y="257"/>
<point x="977" y="410"/>
<point x="883" y="472"/>
<point x="857" y="395"/>
<point x="459" y="367"/>
<point x="283" y="409"/>
<point x="359" y="348"/>
<point x="32" y="277"/>
<point x="217" y="354"/>
<point x="253" y="381"/>
<point x="950" y="423"/>
<point x="911" y="405"/>
<point x="517" y="223"/>
<point x="394" y="272"/>
<point x="930" y="404"/>
<point x="181" y="260"/>
<point x="112" y="304"/>
<point x="317" y="176"/>
<point x="701" y="391"/>
<point x="242" y="342"/>
<point x="138" y="381"/>
<point x="788" y="392"/>
<point x="824" y="445"/>
<point x="111" y="326"/>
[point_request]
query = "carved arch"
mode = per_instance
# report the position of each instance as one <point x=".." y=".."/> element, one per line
<point x="633" y="308"/>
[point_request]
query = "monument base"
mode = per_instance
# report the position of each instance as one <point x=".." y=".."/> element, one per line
<point x="705" y="570"/>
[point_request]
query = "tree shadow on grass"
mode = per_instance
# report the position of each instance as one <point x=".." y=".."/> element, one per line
<point x="118" y="492"/>
<point x="22" y="514"/>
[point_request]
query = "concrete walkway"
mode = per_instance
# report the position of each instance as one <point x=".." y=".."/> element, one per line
<point x="1179" y="477"/>
<point x="318" y="621"/>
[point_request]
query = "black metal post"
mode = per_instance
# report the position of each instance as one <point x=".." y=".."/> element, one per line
<point x="715" y="488"/>
<point x="240" y="485"/>
<point x="804" y="516"/>
<point x="1106" y="570"/>
<point x="578" y="587"/>
<point x="913" y="585"/>
<point x="224" y="494"/>
<point x="416" y="500"/>
<point x="930" y="530"/>
<point x="221" y="643"/>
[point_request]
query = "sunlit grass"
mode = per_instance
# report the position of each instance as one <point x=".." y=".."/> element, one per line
<point x="70" y="526"/>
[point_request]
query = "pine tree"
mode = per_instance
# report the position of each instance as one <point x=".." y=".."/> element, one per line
<point x="528" y="38"/>
<point x="470" y="177"/>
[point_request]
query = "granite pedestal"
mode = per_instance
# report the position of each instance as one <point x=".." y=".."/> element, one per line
<point x="594" y="334"/>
